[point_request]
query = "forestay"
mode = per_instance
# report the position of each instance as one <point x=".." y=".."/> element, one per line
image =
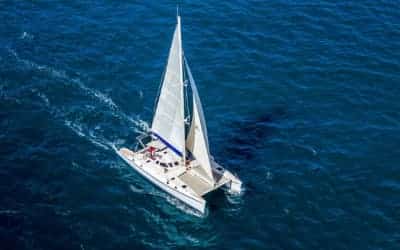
<point x="168" y="121"/>
<point x="197" y="140"/>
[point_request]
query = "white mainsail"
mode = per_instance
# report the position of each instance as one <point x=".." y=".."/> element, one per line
<point x="168" y="122"/>
<point x="197" y="140"/>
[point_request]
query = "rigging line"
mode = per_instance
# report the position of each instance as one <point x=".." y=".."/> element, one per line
<point x="187" y="119"/>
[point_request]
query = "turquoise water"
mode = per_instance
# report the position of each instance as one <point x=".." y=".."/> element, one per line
<point x="301" y="100"/>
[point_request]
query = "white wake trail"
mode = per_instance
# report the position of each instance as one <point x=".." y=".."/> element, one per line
<point x="138" y="125"/>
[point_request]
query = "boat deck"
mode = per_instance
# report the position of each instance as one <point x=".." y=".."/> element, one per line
<point x="186" y="182"/>
<point x="198" y="184"/>
<point x="167" y="167"/>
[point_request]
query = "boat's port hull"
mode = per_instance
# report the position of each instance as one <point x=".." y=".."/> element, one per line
<point x="196" y="203"/>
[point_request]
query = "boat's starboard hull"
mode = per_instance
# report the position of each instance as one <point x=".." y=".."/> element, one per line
<point x="197" y="203"/>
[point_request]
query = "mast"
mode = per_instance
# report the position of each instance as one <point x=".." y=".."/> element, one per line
<point x="178" y="20"/>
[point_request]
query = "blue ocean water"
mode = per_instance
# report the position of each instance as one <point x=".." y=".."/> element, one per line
<point x="301" y="100"/>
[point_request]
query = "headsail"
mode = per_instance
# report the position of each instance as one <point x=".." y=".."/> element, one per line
<point x="168" y="121"/>
<point x="197" y="141"/>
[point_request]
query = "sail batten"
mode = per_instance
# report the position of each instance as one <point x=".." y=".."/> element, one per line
<point x="168" y="121"/>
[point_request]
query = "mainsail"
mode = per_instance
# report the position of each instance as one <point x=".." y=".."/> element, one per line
<point x="168" y="122"/>
<point x="197" y="140"/>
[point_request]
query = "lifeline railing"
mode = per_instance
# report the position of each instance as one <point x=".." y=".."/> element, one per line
<point x="140" y="139"/>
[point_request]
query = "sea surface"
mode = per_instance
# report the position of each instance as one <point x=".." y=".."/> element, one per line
<point x="302" y="101"/>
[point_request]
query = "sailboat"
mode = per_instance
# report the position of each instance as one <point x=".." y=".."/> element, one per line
<point x="175" y="160"/>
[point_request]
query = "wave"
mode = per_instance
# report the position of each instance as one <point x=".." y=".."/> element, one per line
<point x="9" y="212"/>
<point x="26" y="36"/>
<point x="77" y="128"/>
<point x="44" y="99"/>
<point x="41" y="68"/>
<point x="305" y="147"/>
<point x="136" y="190"/>
<point x="103" y="98"/>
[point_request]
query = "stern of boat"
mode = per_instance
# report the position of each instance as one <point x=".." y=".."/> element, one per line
<point x="234" y="185"/>
<point x="226" y="178"/>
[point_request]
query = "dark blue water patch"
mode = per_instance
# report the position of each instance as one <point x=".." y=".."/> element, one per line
<point x="249" y="133"/>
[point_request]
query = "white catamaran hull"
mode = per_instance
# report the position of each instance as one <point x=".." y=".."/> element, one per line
<point x="197" y="204"/>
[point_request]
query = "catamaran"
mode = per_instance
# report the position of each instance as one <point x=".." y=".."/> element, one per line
<point x="179" y="161"/>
